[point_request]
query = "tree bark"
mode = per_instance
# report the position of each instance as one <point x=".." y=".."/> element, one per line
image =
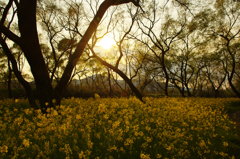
<point x="32" y="51"/>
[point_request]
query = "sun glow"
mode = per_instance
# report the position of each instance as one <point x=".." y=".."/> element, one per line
<point x="106" y="42"/>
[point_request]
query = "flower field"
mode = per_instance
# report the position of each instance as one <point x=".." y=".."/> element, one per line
<point x="107" y="128"/>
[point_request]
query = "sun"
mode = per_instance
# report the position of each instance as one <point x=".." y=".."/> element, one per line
<point x="106" y="42"/>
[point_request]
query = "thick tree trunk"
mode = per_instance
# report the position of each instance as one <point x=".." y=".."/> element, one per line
<point x="32" y="51"/>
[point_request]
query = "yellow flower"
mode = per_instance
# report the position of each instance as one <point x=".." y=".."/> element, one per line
<point x="113" y="148"/>
<point x="223" y="154"/>
<point x="3" y="149"/>
<point x="116" y="124"/>
<point x="169" y="148"/>
<point x="225" y="144"/>
<point x="202" y="143"/>
<point x="26" y="142"/>
<point x="128" y="142"/>
<point x="147" y="128"/>
<point x="81" y="155"/>
<point x="78" y="116"/>
<point x="27" y="111"/>
<point x="101" y="108"/>
<point x="54" y="113"/>
<point x="106" y="116"/>
<point x="144" y="156"/>
<point x="90" y="144"/>
<point x="149" y="139"/>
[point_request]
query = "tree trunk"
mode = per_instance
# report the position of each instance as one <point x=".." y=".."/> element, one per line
<point x="181" y="90"/>
<point x="189" y="92"/>
<point x="9" y="81"/>
<point x="165" y="73"/>
<point x="234" y="89"/>
<point x="233" y="71"/>
<point x="109" y="83"/>
<point x="32" y="51"/>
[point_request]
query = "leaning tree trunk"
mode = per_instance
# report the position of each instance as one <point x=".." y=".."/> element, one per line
<point x="234" y="89"/>
<point x="123" y="76"/>
<point x="20" y="78"/>
<point x="61" y="86"/>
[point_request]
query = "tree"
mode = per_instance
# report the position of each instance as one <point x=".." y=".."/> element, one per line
<point x="30" y="45"/>
<point x="214" y="72"/>
<point x="226" y="31"/>
<point x="186" y="59"/>
<point x="159" y="38"/>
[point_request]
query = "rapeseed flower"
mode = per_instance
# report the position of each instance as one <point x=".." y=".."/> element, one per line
<point x="163" y="128"/>
<point x="225" y="144"/>
<point x="26" y="142"/>
<point x="3" y="149"/>
<point x="144" y="156"/>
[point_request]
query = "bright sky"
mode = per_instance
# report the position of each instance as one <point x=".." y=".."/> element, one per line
<point x="106" y="42"/>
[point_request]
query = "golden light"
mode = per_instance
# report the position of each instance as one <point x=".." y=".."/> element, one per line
<point x="106" y="42"/>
